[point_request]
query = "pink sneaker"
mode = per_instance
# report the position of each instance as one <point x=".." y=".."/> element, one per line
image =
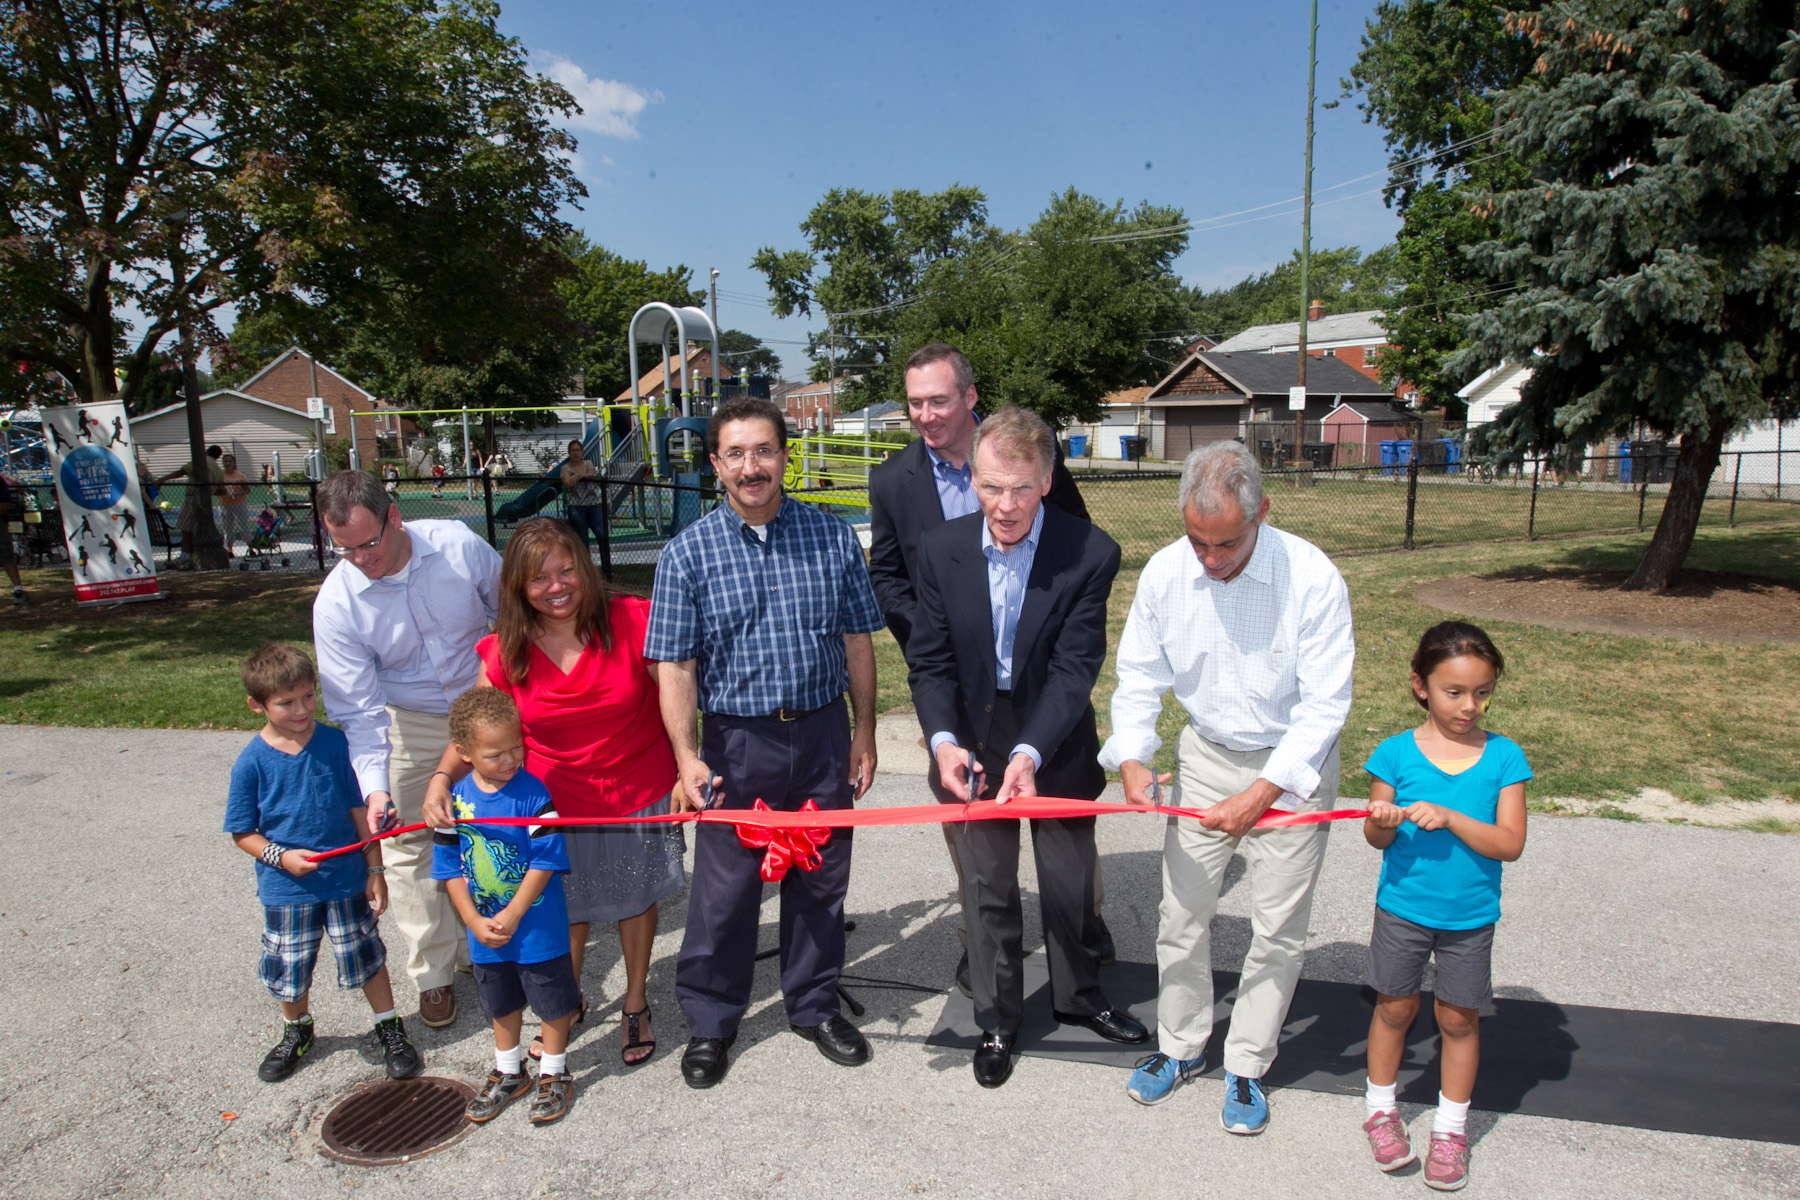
<point x="1447" y="1163"/>
<point x="1387" y="1138"/>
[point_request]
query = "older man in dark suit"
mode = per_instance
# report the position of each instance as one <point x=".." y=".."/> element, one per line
<point x="917" y="490"/>
<point x="1009" y="635"/>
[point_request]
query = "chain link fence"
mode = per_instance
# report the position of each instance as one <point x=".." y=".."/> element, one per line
<point x="1404" y="506"/>
<point x="1344" y="510"/>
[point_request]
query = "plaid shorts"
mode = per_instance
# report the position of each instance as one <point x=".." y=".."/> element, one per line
<point x="291" y="936"/>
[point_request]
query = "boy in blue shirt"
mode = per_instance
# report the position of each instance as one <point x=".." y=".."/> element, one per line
<point x="292" y="792"/>
<point x="504" y="881"/>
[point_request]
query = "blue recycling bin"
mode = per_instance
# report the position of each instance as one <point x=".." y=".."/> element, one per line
<point x="1624" y="462"/>
<point x="1452" y="455"/>
<point x="1078" y="445"/>
<point x="1388" y="457"/>
<point x="1403" y="453"/>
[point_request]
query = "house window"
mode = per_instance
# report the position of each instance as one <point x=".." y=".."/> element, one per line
<point x="1331" y="354"/>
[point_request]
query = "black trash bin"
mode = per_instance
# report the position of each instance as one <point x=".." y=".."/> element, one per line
<point x="1134" y="447"/>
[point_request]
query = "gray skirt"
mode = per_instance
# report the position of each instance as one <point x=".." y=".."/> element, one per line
<point x="618" y="871"/>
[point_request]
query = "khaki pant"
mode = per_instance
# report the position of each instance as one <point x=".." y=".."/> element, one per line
<point x="1283" y="869"/>
<point x="420" y="906"/>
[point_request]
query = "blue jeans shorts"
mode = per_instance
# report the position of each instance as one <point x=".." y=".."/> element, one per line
<point x="291" y="937"/>
<point x="506" y="987"/>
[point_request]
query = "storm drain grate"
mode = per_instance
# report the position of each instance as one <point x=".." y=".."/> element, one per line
<point x="396" y="1120"/>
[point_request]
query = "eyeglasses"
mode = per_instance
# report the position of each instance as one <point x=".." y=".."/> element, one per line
<point x="366" y="547"/>
<point x="762" y="454"/>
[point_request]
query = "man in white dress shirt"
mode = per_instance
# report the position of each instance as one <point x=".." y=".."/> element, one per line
<point x="395" y="626"/>
<point x="1251" y="627"/>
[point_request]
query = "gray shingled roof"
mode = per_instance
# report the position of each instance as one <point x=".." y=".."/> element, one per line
<point x="1339" y="327"/>
<point x="1273" y="374"/>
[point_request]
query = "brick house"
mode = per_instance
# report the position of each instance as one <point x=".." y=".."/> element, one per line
<point x="652" y="385"/>
<point x="811" y="405"/>
<point x="295" y="375"/>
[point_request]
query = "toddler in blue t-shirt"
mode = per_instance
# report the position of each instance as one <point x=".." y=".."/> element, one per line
<point x="506" y="885"/>
<point x="292" y="793"/>
<point x="1446" y="808"/>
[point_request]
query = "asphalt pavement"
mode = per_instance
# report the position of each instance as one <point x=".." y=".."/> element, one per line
<point x="133" y="1019"/>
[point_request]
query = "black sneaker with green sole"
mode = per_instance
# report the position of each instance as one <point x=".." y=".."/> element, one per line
<point x="279" y="1063"/>
<point x="403" y="1061"/>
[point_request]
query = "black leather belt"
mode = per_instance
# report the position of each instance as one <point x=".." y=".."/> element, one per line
<point x="794" y="714"/>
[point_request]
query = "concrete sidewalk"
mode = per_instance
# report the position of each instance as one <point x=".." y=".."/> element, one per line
<point x="134" y="1019"/>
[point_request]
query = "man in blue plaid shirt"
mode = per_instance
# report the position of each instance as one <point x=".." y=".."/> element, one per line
<point x="761" y="618"/>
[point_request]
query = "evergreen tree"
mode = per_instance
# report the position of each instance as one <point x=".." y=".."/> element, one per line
<point x="1659" y="244"/>
<point x="1428" y="73"/>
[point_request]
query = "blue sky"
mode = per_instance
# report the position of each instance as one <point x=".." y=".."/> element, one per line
<point x="711" y="129"/>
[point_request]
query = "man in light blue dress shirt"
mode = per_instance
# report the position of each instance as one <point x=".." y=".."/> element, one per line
<point x="1010" y="635"/>
<point x="395" y="626"/>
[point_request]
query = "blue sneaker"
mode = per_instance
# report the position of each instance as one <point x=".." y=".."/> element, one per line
<point x="1157" y="1077"/>
<point x="1246" y="1109"/>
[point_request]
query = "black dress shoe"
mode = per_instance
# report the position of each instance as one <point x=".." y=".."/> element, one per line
<point x="704" y="1061"/>
<point x="838" y="1040"/>
<point x="962" y="977"/>
<point x="1115" y="1025"/>
<point x="1108" y="954"/>
<point x="994" y="1059"/>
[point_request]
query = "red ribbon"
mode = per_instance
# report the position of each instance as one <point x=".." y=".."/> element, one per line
<point x="791" y="847"/>
<point x="814" y="820"/>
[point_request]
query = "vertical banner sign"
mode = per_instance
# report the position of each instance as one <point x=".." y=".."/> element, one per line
<point x="102" y="508"/>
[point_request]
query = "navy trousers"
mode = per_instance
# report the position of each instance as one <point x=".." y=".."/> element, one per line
<point x="784" y="764"/>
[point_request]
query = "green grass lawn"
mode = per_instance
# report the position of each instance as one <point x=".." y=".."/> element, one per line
<point x="1363" y="513"/>
<point x="1599" y="715"/>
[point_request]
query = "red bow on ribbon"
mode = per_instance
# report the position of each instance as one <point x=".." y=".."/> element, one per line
<point x="785" y="847"/>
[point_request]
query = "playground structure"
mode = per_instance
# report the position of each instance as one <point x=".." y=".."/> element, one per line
<point x="650" y="451"/>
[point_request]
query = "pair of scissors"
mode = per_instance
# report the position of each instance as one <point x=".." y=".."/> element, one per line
<point x="971" y="775"/>
<point x="707" y="796"/>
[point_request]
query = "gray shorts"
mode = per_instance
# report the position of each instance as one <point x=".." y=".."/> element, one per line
<point x="1399" y="950"/>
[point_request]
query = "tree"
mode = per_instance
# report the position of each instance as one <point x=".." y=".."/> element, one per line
<point x="602" y="294"/>
<point x="1659" y="242"/>
<point x="1341" y="278"/>
<point x="875" y="250"/>
<point x="389" y="156"/>
<point x="746" y="354"/>
<point x="1428" y="73"/>
<point x="1056" y="317"/>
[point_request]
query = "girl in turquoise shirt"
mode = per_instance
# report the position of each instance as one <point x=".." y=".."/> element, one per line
<point x="1446" y="809"/>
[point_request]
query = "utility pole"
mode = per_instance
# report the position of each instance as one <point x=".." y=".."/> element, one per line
<point x="713" y="287"/>
<point x="1312" y="69"/>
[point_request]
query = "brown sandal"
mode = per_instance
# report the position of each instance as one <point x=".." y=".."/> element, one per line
<point x="633" y="1040"/>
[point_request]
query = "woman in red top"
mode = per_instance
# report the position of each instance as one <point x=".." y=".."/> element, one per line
<point x="571" y="657"/>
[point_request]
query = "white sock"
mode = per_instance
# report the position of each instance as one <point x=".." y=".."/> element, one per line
<point x="1451" y="1117"/>
<point x="382" y="1016"/>
<point x="553" y="1064"/>
<point x="507" y="1061"/>
<point x="303" y="1019"/>
<point x="1380" y="1098"/>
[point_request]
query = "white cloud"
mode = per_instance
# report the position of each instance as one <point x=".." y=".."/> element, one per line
<point x="608" y="107"/>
